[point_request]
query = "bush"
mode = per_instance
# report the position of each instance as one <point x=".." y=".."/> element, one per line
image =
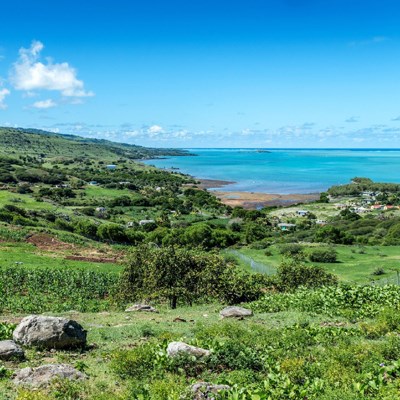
<point x="291" y="249"/>
<point x="138" y="362"/>
<point x="378" y="271"/>
<point x="323" y="255"/>
<point x="291" y="275"/>
<point x="112" y="233"/>
<point x="86" y="228"/>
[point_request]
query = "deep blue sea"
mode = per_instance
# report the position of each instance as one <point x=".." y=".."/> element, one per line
<point x="286" y="171"/>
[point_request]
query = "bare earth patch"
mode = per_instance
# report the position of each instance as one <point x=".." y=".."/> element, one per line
<point x="252" y="200"/>
<point x="46" y="242"/>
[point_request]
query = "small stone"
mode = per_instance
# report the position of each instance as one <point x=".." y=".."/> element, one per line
<point x="141" y="307"/>
<point x="9" y="350"/>
<point x="235" y="312"/>
<point x="45" y="374"/>
<point x="174" y="348"/>
<point x="206" y="390"/>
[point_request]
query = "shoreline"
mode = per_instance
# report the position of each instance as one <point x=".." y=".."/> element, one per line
<point x="254" y="200"/>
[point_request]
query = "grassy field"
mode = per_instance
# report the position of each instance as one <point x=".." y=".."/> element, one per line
<point x="25" y="255"/>
<point x="355" y="264"/>
<point x="109" y="333"/>
<point x="24" y="201"/>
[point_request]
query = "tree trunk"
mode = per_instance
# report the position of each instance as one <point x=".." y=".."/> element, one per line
<point x="173" y="302"/>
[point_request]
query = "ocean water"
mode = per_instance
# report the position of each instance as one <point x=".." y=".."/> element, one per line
<point x="286" y="171"/>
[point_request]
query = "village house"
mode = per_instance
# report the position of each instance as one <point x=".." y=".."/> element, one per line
<point x="302" y="213"/>
<point x="286" y="227"/>
<point x="146" y="221"/>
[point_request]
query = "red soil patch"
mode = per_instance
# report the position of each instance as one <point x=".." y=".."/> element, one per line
<point x="92" y="259"/>
<point x="46" y="242"/>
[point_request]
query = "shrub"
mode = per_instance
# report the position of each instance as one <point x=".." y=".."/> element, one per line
<point x="112" y="233"/>
<point x="323" y="255"/>
<point x="378" y="271"/>
<point x="138" y="362"/>
<point x="291" y="249"/>
<point x="292" y="274"/>
<point x="86" y="228"/>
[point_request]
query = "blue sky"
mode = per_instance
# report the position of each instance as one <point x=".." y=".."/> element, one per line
<point x="271" y="73"/>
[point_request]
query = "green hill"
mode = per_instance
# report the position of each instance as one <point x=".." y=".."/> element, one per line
<point x="48" y="144"/>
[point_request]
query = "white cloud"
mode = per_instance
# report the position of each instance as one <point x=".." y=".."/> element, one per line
<point x="30" y="74"/>
<point x="3" y="93"/>
<point x="43" y="104"/>
<point x="155" y="129"/>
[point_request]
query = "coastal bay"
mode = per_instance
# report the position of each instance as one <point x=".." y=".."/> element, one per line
<point x="284" y="171"/>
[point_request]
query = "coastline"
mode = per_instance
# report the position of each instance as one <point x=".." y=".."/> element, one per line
<point x="254" y="200"/>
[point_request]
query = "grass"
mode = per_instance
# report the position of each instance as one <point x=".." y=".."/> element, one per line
<point x="12" y="254"/>
<point x="24" y="201"/>
<point x="116" y="331"/>
<point x="355" y="264"/>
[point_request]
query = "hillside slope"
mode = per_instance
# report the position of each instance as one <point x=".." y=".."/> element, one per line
<point x="48" y="144"/>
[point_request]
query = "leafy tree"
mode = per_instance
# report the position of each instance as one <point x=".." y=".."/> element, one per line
<point x="86" y="228"/>
<point x="112" y="233"/>
<point x="324" y="197"/>
<point x="199" y="235"/>
<point x="331" y="234"/>
<point x="181" y="275"/>
<point x="254" y="231"/>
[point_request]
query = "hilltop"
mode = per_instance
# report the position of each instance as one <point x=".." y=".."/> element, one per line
<point x="35" y="142"/>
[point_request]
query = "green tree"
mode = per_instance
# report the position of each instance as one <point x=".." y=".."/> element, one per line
<point x="180" y="275"/>
<point x="112" y="233"/>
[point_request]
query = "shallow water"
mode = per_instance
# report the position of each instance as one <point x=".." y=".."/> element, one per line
<point x="286" y="171"/>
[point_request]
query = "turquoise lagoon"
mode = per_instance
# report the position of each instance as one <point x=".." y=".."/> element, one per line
<point x="286" y="171"/>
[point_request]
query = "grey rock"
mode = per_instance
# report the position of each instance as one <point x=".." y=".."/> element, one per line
<point x="174" y="348"/>
<point x="45" y="374"/>
<point x="50" y="332"/>
<point x="235" y="312"/>
<point x="141" y="307"/>
<point x="9" y="350"/>
<point x="206" y="390"/>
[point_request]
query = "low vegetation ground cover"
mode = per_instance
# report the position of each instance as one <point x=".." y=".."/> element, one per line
<point x="283" y="354"/>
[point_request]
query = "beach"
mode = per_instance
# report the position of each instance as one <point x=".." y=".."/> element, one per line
<point x="253" y="200"/>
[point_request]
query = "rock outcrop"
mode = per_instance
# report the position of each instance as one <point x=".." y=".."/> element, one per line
<point x="142" y="308"/>
<point x="50" y="333"/>
<point x="9" y="350"/>
<point x="45" y="374"/>
<point x="175" y="348"/>
<point x="235" y="312"/>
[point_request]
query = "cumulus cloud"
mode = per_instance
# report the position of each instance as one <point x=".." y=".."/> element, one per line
<point x="155" y="129"/>
<point x="30" y="74"/>
<point x="43" y="104"/>
<point x="3" y="93"/>
<point x="352" y="119"/>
